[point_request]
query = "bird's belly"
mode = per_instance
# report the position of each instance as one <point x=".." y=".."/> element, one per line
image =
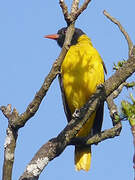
<point x="79" y="84"/>
<point x="77" y="89"/>
<point x="77" y="93"/>
<point x="80" y="77"/>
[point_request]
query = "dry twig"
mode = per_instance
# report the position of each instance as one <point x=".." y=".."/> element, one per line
<point x="127" y="37"/>
<point x="106" y="134"/>
<point x="112" y="106"/>
<point x="82" y="8"/>
<point x="65" y="11"/>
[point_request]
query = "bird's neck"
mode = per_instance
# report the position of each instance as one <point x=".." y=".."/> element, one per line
<point x="84" y="39"/>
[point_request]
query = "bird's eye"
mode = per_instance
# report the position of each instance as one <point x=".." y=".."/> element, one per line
<point x="64" y="31"/>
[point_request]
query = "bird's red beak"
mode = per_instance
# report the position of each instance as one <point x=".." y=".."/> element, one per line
<point x="52" y="36"/>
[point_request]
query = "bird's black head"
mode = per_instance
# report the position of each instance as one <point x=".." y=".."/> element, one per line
<point x="60" y="36"/>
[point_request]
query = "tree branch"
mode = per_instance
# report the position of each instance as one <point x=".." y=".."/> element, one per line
<point x="55" y="147"/>
<point x="75" y="10"/>
<point x="74" y="7"/>
<point x="10" y="143"/>
<point x="112" y="106"/>
<point x="16" y="121"/>
<point x="82" y="8"/>
<point x="9" y="150"/>
<point x="107" y="134"/>
<point x="65" y="11"/>
<point x="129" y="41"/>
<point x="34" y="105"/>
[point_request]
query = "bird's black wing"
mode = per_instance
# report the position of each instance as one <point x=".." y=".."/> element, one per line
<point x="105" y="70"/>
<point x="99" y="113"/>
<point x="98" y="120"/>
<point x="66" y="108"/>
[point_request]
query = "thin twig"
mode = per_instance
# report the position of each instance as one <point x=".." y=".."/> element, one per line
<point x="75" y="10"/>
<point x="74" y="6"/>
<point x="63" y="7"/>
<point x="6" y="110"/>
<point x="65" y="11"/>
<point x="113" y="109"/>
<point x="112" y="106"/>
<point x="82" y="8"/>
<point x="104" y="135"/>
<point x="129" y="41"/>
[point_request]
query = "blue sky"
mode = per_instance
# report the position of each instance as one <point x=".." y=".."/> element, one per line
<point x="26" y="58"/>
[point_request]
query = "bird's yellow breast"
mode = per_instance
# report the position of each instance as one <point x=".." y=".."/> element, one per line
<point x="82" y="70"/>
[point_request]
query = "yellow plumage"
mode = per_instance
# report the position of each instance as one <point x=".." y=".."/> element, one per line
<point x="81" y="71"/>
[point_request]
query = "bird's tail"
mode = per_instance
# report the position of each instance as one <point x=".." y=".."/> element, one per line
<point x="82" y="158"/>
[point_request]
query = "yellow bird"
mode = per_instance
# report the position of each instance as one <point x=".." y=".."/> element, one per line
<point x="81" y="72"/>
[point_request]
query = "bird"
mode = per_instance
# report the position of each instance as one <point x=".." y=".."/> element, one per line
<point x="82" y="70"/>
